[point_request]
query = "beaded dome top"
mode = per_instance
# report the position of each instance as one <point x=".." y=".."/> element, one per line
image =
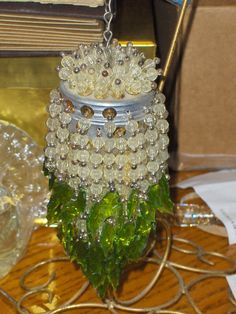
<point x="114" y="71"/>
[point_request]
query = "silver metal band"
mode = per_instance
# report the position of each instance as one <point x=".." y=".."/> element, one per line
<point x="133" y="105"/>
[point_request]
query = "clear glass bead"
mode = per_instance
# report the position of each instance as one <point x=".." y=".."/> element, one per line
<point x="134" y="87"/>
<point x="109" y="144"/>
<point x="54" y="110"/>
<point x="133" y="175"/>
<point x="133" y="143"/>
<point x="83" y="172"/>
<point x="164" y="155"/>
<point x="149" y="63"/>
<point x="50" y="152"/>
<point x="80" y="140"/>
<point x="109" y="175"/>
<point x="74" y="183"/>
<point x="65" y="118"/>
<point x="153" y="166"/>
<point x="121" y="160"/>
<point x="133" y="159"/>
<point x="83" y="156"/>
<point x="62" y="165"/>
<point x="53" y="124"/>
<point x="141" y="155"/>
<point x="96" y="174"/>
<point x="122" y="190"/>
<point x="160" y="98"/>
<point x="162" y="125"/>
<point x="96" y="189"/>
<point x="50" y="165"/>
<point x="151" y="74"/>
<point x="51" y="138"/>
<point x="146" y="86"/>
<point x="62" y="134"/>
<point x="163" y="141"/>
<point x="82" y="224"/>
<point x="143" y="186"/>
<point x="96" y="159"/>
<point x="136" y="70"/>
<point x="67" y="61"/>
<point x="72" y="169"/>
<point x="152" y="151"/>
<point x="121" y="144"/>
<point x="74" y="155"/>
<point x="158" y="159"/>
<point x="55" y="95"/>
<point x="117" y="91"/>
<point x="132" y="126"/>
<point x="119" y="175"/>
<point x="140" y="139"/>
<point x="98" y="143"/>
<point x="84" y="124"/>
<point x="101" y="92"/>
<point x="109" y="127"/>
<point x="72" y="82"/>
<point x="74" y="138"/>
<point x="160" y="111"/>
<point x="62" y="149"/>
<point x="109" y="159"/>
<point x="150" y="120"/>
<point x="151" y="136"/>
<point x="142" y="171"/>
<point x="64" y="73"/>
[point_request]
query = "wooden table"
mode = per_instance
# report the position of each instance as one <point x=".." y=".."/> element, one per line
<point x="211" y="296"/>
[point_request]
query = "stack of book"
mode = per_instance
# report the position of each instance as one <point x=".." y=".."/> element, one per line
<point x="49" y="28"/>
<point x="88" y="3"/>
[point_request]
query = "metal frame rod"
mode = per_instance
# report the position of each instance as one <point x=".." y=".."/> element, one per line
<point x="173" y="45"/>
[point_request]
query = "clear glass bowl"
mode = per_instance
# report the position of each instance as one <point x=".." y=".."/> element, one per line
<point x="23" y="192"/>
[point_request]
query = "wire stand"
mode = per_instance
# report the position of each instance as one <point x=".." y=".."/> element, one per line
<point x="114" y="304"/>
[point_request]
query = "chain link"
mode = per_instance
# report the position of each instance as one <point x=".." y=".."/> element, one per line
<point x="108" y="16"/>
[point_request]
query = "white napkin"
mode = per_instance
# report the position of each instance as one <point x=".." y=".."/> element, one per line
<point x="218" y="190"/>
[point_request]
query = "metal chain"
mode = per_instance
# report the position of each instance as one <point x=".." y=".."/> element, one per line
<point x="108" y="16"/>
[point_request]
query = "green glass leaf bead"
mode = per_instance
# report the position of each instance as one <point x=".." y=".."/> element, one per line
<point x="125" y="237"/>
<point x="159" y="196"/>
<point x="110" y="206"/>
<point x="53" y="210"/>
<point x="107" y="238"/>
<point x="132" y="204"/>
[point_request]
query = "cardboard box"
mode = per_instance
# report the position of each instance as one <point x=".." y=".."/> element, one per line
<point x="203" y="110"/>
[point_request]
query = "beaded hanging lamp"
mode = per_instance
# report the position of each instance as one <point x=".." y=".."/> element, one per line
<point x="106" y="157"/>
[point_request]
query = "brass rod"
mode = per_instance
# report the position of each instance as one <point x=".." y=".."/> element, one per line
<point x="173" y="45"/>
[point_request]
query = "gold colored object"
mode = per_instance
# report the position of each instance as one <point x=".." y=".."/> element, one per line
<point x="136" y="26"/>
<point x="119" y="132"/>
<point x="87" y="112"/>
<point x="173" y="45"/>
<point x="148" y="47"/>
<point x="69" y="106"/>
<point x="29" y="72"/>
<point x="109" y="113"/>
<point x="25" y="107"/>
<point x="25" y="85"/>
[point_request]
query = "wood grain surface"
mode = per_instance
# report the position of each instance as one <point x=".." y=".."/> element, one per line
<point x="211" y="295"/>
